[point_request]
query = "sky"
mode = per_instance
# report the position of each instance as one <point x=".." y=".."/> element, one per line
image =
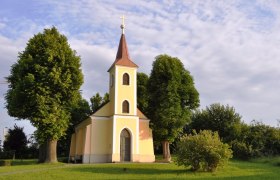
<point x="230" y="47"/>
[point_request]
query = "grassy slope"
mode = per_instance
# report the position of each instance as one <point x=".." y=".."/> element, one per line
<point x="260" y="169"/>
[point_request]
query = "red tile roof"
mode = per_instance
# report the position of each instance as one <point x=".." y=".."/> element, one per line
<point x="122" y="57"/>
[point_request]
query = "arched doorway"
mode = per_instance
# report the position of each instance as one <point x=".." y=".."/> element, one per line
<point x="125" y="145"/>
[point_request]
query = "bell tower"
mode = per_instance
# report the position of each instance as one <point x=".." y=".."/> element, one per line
<point x="123" y="81"/>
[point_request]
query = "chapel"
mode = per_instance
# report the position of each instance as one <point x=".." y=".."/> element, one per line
<point x="118" y="131"/>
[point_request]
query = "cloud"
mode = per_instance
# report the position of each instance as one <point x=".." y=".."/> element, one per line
<point x="230" y="47"/>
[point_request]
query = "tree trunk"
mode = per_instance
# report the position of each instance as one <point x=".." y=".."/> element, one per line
<point x="51" y="151"/>
<point x="42" y="153"/>
<point x="166" y="151"/>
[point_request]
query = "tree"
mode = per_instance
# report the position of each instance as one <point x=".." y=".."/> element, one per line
<point x="43" y="85"/>
<point x="97" y="101"/>
<point x="203" y="150"/>
<point x="142" y="92"/>
<point x="219" y="118"/>
<point x="172" y="96"/>
<point x="15" y="140"/>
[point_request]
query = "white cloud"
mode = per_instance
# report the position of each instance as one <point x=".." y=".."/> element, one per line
<point x="230" y="47"/>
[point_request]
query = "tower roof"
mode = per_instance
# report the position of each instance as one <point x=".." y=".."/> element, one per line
<point x="122" y="57"/>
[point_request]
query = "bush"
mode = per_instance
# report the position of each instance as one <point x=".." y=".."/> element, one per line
<point x="5" y="162"/>
<point x="241" y="150"/>
<point x="202" y="151"/>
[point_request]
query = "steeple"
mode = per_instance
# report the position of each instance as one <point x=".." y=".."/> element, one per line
<point x="122" y="57"/>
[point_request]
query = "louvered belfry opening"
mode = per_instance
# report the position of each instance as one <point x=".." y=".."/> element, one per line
<point x="125" y="107"/>
<point x="125" y="79"/>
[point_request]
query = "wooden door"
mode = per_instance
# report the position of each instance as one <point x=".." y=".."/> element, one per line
<point x="125" y="145"/>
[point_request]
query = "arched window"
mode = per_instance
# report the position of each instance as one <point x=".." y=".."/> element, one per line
<point x="112" y="80"/>
<point x="125" y="107"/>
<point x="125" y="79"/>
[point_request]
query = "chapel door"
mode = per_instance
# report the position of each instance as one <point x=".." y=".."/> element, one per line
<point x="125" y="146"/>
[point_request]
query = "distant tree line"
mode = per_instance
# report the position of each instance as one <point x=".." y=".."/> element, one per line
<point x="246" y="140"/>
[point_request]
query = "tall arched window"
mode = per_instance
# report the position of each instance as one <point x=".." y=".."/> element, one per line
<point x="125" y="79"/>
<point x="125" y="107"/>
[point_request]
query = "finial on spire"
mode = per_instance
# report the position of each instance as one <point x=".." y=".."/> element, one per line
<point x="122" y="26"/>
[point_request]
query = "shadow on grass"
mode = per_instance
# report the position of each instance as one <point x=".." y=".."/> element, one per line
<point x="129" y="170"/>
<point x="24" y="162"/>
<point x="236" y="170"/>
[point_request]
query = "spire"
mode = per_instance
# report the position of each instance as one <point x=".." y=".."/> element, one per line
<point x="122" y="57"/>
<point x="122" y="25"/>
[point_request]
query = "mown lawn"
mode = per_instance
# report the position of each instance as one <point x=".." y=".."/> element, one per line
<point x="266" y="168"/>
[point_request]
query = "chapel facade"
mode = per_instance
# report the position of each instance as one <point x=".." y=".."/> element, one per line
<point x="118" y="131"/>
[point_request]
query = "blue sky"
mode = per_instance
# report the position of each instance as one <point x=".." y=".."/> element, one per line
<point x="230" y="47"/>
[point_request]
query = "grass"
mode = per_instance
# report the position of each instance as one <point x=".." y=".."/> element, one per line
<point x="265" y="168"/>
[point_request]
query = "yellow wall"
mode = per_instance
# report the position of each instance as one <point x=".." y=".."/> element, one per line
<point x="87" y="139"/>
<point x="73" y="145"/>
<point x="101" y="136"/>
<point x="80" y="140"/>
<point x="130" y="123"/>
<point x="145" y="138"/>
<point x="104" y="111"/>
<point x="126" y="92"/>
<point x="98" y="137"/>
<point x="112" y="90"/>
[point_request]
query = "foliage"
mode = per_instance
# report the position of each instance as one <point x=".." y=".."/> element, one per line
<point x="5" y="162"/>
<point x="171" y="97"/>
<point x="142" y="92"/>
<point x="16" y="140"/>
<point x="202" y="151"/>
<point x="44" y="83"/>
<point x="264" y="140"/>
<point x="219" y="118"/>
<point x="97" y="101"/>
<point x="247" y="141"/>
<point x="241" y="150"/>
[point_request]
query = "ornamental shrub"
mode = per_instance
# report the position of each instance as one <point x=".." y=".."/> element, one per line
<point x="202" y="151"/>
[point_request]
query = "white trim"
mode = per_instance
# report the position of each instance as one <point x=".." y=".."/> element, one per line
<point x="135" y="92"/>
<point x="116" y="90"/>
<point x="90" y="141"/>
<point x="128" y="116"/>
<point x="85" y="139"/>
<point x="137" y="135"/>
<point x="114" y="137"/>
<point x="101" y="118"/>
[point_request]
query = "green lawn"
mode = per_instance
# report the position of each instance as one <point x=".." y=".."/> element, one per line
<point x="258" y="169"/>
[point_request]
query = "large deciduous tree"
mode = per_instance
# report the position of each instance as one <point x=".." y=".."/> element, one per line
<point x="43" y="85"/>
<point x="142" y="92"/>
<point x="172" y="96"/>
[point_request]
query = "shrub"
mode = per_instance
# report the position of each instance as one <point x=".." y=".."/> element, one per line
<point x="202" y="151"/>
<point x="241" y="150"/>
<point x="4" y="162"/>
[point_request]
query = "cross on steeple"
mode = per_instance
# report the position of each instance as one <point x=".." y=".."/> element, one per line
<point x="122" y="26"/>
